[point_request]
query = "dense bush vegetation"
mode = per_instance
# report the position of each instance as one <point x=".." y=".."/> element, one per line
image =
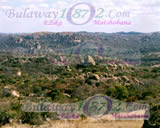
<point x="40" y="78"/>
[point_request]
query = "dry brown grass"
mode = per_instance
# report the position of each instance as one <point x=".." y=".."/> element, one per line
<point x="84" y="124"/>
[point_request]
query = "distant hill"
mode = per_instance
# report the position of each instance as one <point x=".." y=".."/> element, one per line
<point x="126" y="46"/>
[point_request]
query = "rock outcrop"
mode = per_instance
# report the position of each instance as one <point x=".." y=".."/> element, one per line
<point x="91" y="60"/>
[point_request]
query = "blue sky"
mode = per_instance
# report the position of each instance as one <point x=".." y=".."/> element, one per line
<point x="144" y="15"/>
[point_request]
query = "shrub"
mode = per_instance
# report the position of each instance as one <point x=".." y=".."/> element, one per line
<point x="154" y="121"/>
<point x="118" y="91"/>
<point x="4" y="118"/>
<point x="31" y="118"/>
<point x="54" y="94"/>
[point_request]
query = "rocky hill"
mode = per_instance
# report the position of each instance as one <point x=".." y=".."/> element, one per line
<point x="132" y="46"/>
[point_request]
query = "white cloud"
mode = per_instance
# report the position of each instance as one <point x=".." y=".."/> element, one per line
<point x="4" y="1"/>
<point x="5" y="7"/>
<point x="44" y="5"/>
<point x="32" y="1"/>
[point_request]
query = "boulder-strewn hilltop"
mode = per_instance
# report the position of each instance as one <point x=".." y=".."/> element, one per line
<point x="130" y="46"/>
